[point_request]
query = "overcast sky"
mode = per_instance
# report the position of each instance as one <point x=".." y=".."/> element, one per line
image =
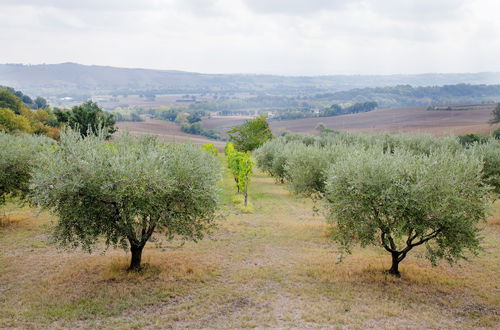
<point x="291" y="37"/>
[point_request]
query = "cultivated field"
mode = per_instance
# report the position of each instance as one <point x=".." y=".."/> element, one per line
<point x="413" y="120"/>
<point x="166" y="131"/>
<point x="275" y="267"/>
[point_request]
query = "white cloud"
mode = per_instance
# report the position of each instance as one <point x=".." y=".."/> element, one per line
<point x="281" y="37"/>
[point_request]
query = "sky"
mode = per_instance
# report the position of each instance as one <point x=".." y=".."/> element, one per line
<point x="286" y="37"/>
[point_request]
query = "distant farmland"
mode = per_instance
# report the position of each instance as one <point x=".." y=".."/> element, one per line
<point x="166" y="131"/>
<point x="412" y="120"/>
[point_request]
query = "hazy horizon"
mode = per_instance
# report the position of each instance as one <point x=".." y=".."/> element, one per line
<point x="255" y="73"/>
<point x="280" y="37"/>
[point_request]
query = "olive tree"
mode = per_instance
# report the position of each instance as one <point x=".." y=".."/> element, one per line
<point x="18" y="155"/>
<point x="271" y="157"/>
<point x="126" y="190"/>
<point x="307" y="167"/>
<point x="490" y="153"/>
<point x="401" y="200"/>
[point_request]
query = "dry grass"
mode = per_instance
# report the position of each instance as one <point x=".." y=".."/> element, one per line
<point x="274" y="267"/>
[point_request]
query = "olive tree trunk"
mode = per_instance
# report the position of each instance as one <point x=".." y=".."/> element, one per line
<point x="135" y="261"/>
<point x="395" y="265"/>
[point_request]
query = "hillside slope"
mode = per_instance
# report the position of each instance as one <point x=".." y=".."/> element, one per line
<point x="76" y="78"/>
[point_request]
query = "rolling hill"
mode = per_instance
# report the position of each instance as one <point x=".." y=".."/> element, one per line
<point x="72" y="78"/>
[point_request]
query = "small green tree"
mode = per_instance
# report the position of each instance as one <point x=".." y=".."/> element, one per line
<point x="495" y="115"/>
<point x="41" y="103"/>
<point x="401" y="201"/>
<point x="18" y="156"/>
<point x="210" y="148"/>
<point x="245" y="170"/>
<point x="89" y="118"/>
<point x="125" y="191"/>
<point x="228" y="148"/>
<point x="496" y="134"/>
<point x="232" y="162"/>
<point x="240" y="164"/>
<point x="251" y="135"/>
<point x="10" y="101"/>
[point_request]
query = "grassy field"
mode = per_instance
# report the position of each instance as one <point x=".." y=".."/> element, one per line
<point x="274" y="267"/>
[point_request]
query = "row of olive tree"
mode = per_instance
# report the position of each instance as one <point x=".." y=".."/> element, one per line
<point x="302" y="160"/>
<point x="398" y="192"/>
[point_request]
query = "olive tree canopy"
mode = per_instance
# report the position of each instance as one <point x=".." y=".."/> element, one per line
<point x="126" y="190"/>
<point x="18" y="155"/>
<point x="400" y="201"/>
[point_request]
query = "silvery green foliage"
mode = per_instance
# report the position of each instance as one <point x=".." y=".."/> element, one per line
<point x="306" y="166"/>
<point x="490" y="153"/>
<point x="125" y="190"/>
<point x="18" y="155"/>
<point x="272" y="156"/>
<point x="401" y="200"/>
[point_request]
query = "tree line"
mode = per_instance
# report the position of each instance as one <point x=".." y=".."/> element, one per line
<point x="17" y="117"/>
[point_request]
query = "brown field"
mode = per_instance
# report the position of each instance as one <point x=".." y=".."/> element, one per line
<point x="166" y="131"/>
<point x="135" y="101"/>
<point x="412" y="120"/>
<point x="217" y="122"/>
<point x="273" y="268"/>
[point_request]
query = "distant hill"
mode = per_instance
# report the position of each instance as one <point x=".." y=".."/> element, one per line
<point x="77" y="79"/>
